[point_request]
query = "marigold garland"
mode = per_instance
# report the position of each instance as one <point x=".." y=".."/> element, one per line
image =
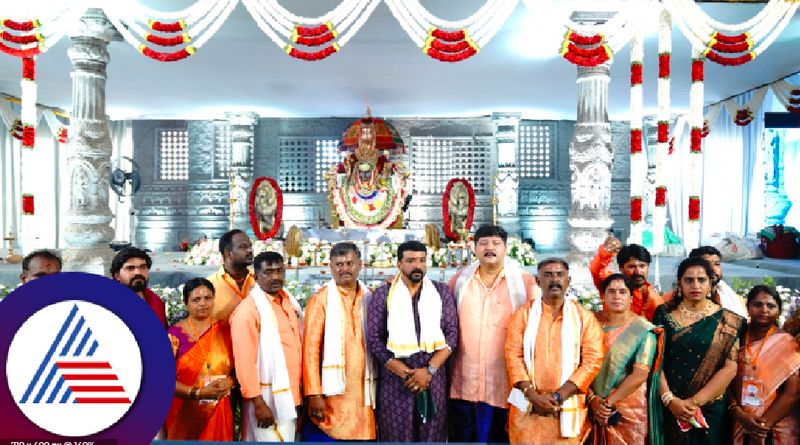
<point x="62" y="135"/>
<point x="28" y="136"/>
<point x="743" y="117"/>
<point x="579" y="39"/>
<point x="730" y="40"/>
<point x="694" y="208"/>
<point x="448" y="36"/>
<point x="698" y="73"/>
<point x="21" y="39"/>
<point x="313" y="31"/>
<point x="731" y="48"/>
<point x="448" y="233"/>
<point x="16" y="52"/>
<point x="448" y="47"/>
<point x="251" y="205"/>
<point x="636" y="74"/>
<point x="314" y="41"/>
<point x="663" y="65"/>
<point x="28" y="68"/>
<point x="663" y="131"/>
<point x="586" y="62"/>
<point x="696" y="138"/>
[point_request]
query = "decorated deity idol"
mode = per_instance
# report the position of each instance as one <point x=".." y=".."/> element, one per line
<point x="368" y="189"/>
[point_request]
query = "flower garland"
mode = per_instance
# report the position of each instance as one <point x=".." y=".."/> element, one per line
<point x="276" y="225"/>
<point x="448" y="232"/>
<point x="593" y="50"/>
<point x="743" y="116"/>
<point x="662" y="147"/>
<point x="696" y="94"/>
<point x="451" y="41"/>
<point x="753" y="36"/>
<point x="28" y="207"/>
<point x="638" y="159"/>
<point x="788" y="95"/>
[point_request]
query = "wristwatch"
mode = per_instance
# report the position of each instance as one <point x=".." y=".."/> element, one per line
<point x="432" y="369"/>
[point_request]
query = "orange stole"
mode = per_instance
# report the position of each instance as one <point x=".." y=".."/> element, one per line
<point x="188" y="419"/>
<point x="779" y="359"/>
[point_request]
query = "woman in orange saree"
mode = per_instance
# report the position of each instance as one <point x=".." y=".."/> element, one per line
<point x="766" y="388"/>
<point x="201" y="408"/>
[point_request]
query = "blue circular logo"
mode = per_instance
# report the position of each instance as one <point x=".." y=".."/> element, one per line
<point x="85" y="358"/>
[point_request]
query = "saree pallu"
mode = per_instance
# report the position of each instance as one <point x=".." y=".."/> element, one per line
<point x="692" y="355"/>
<point x="779" y="359"/>
<point x="195" y="419"/>
<point x="638" y="344"/>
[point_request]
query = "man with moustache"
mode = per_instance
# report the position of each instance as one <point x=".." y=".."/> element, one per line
<point x="412" y="357"/>
<point x="338" y="374"/>
<point x="131" y="267"/>
<point x="722" y="292"/>
<point x="266" y="329"/>
<point x="553" y="352"/>
<point x="38" y="264"/>
<point x="234" y="280"/>
<point x="487" y="293"/>
<point x="634" y="263"/>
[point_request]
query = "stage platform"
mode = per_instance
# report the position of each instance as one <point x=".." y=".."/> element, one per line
<point x="168" y="270"/>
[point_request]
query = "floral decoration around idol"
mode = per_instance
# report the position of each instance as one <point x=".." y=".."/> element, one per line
<point x="458" y="208"/>
<point x="265" y="204"/>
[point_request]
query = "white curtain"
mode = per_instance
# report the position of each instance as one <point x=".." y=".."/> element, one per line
<point x="122" y="145"/>
<point x="9" y="174"/>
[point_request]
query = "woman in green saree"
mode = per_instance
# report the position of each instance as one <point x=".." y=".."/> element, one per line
<point x="700" y="359"/>
<point x="630" y="375"/>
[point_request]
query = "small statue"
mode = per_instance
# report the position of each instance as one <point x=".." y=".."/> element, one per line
<point x="458" y="207"/>
<point x="266" y="204"/>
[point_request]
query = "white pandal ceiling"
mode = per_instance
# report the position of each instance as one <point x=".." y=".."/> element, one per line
<point x="519" y="70"/>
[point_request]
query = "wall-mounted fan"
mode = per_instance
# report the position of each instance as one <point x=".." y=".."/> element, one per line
<point x="125" y="180"/>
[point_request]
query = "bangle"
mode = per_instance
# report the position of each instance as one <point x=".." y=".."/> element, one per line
<point x="589" y="398"/>
<point x="667" y="397"/>
<point x="193" y="393"/>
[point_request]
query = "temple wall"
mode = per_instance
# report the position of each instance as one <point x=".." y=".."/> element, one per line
<point x="297" y="150"/>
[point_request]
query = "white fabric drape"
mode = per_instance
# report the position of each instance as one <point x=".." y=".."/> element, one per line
<point x="122" y="145"/>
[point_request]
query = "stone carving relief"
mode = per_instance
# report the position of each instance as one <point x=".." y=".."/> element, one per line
<point x="506" y="193"/>
<point x="590" y="187"/>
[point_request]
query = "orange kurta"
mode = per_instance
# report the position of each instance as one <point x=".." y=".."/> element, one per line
<point x="227" y="295"/>
<point x="778" y="360"/>
<point x="645" y="299"/>
<point x="246" y="329"/>
<point x="479" y="367"/>
<point x="346" y="417"/>
<point x="531" y="428"/>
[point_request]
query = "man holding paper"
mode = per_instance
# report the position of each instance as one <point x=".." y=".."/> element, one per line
<point x="553" y="352"/>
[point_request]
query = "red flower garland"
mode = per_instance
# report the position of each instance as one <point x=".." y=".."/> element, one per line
<point x="661" y="196"/>
<point x="663" y="131"/>
<point x="276" y="225"/>
<point x="448" y="233"/>
<point x="28" y="68"/>
<point x="448" y="36"/>
<point x="696" y="138"/>
<point x="22" y="40"/>
<point x="579" y="39"/>
<point x="313" y="31"/>
<point x="167" y="57"/>
<point x="28" y="136"/>
<point x="168" y="41"/>
<point x="180" y="25"/>
<point x="671" y="146"/>
<point x="697" y="70"/>
<point x="636" y="141"/>
<point x="30" y="52"/>
<point x="706" y="129"/>
<point x="732" y="48"/>
<point x="636" y="73"/>
<point x="451" y="57"/>
<point x="694" y="208"/>
<point x="314" y="41"/>
<point x="636" y="209"/>
<point x="311" y="56"/>
<point x="21" y="26"/>
<point x="442" y="46"/>
<point x="62" y="135"/>
<point x="743" y="117"/>
<point x="729" y="40"/>
<point x="28" y="207"/>
<point x="729" y="61"/>
<point x="16" y="130"/>
<point x="794" y="100"/>
<point x="663" y="65"/>
<point x="596" y="51"/>
<point x="584" y="61"/>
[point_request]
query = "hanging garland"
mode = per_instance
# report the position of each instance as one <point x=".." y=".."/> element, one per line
<point x="696" y="95"/>
<point x="788" y="95"/>
<point x="662" y="147"/>
<point x="28" y="207"/>
<point x="744" y="115"/>
<point x="638" y="159"/>
<point x="593" y="50"/>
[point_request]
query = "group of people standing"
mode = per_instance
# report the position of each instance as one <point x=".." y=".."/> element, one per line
<point x="495" y="355"/>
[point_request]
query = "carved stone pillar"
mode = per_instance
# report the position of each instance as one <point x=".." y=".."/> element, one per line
<point x="242" y="145"/>
<point x="88" y="232"/>
<point x="777" y="203"/>
<point x="506" y="183"/>
<point x="590" y="155"/>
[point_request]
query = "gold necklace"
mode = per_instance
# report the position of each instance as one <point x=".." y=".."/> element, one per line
<point x="692" y="315"/>
<point x="202" y="349"/>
